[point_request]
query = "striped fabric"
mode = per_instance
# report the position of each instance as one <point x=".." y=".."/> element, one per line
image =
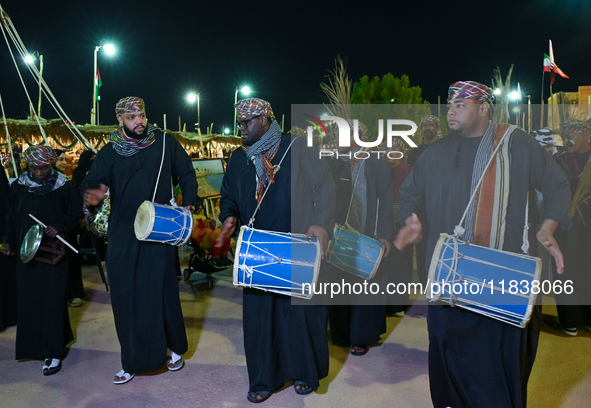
<point x="129" y="104"/>
<point x="574" y="126"/>
<point x="248" y="108"/>
<point x="486" y="219"/>
<point x="38" y="155"/>
<point x="470" y="90"/>
<point x="127" y="146"/>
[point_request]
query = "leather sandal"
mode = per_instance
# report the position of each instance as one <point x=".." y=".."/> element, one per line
<point x="122" y="377"/>
<point x="304" y="389"/>
<point x="364" y="350"/>
<point x="175" y="365"/>
<point x="48" y="370"/>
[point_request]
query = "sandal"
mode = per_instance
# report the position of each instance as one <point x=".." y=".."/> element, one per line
<point x="364" y="350"/>
<point x="304" y="389"/>
<point x="251" y="396"/>
<point x="122" y="377"/>
<point x="48" y="370"/>
<point x="175" y="365"/>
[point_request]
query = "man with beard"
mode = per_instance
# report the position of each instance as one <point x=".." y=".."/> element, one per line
<point x="477" y="361"/>
<point x="431" y="128"/>
<point x="282" y="342"/>
<point x="144" y="289"/>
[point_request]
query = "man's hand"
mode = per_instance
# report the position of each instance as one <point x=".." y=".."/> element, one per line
<point x="227" y="230"/>
<point x="386" y="245"/>
<point x="95" y="196"/>
<point x="51" y="231"/>
<point x="5" y="249"/>
<point x="410" y="233"/>
<point x="545" y="237"/>
<point x="322" y="236"/>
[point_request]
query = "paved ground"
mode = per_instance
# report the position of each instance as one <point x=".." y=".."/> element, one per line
<point x="391" y="375"/>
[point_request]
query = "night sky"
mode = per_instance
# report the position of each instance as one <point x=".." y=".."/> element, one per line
<point x="282" y="50"/>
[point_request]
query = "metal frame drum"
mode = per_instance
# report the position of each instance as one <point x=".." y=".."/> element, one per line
<point x="355" y="253"/>
<point x="490" y="271"/>
<point x="163" y="223"/>
<point x="276" y="262"/>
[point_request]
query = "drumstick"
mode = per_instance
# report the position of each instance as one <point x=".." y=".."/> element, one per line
<point x="57" y="236"/>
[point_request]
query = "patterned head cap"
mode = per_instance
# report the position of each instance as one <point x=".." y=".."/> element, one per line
<point x="574" y="126"/>
<point x="38" y="155"/>
<point x="397" y="145"/>
<point x="248" y="108"/>
<point x="470" y="90"/>
<point x="130" y="104"/>
<point x="430" y="119"/>
<point x="360" y="125"/>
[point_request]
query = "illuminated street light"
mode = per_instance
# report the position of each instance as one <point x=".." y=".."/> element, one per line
<point x="497" y="91"/>
<point x="30" y="59"/>
<point x="192" y="97"/>
<point x="94" y="113"/>
<point x="227" y="131"/>
<point x="514" y="95"/>
<point x="246" y="91"/>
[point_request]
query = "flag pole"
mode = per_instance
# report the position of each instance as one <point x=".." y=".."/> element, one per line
<point x="542" y="103"/>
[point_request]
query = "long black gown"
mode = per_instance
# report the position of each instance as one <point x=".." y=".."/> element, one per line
<point x="7" y="265"/>
<point x="475" y="361"/>
<point x="361" y="320"/>
<point x="144" y="287"/>
<point x="43" y="324"/>
<point x="282" y="342"/>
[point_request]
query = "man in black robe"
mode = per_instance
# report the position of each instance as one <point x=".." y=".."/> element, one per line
<point x="139" y="159"/>
<point x="476" y="361"/>
<point x="574" y="310"/>
<point x="282" y="342"/>
<point x="364" y="203"/>
<point x="43" y="323"/>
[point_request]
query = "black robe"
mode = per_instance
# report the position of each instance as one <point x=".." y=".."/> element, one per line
<point x="144" y="288"/>
<point x="282" y="342"/>
<point x="475" y="361"/>
<point x="43" y="324"/>
<point x="357" y="319"/>
<point x="7" y="265"/>
<point x="574" y="309"/>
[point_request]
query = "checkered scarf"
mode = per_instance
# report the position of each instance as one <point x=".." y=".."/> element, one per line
<point x="261" y="153"/>
<point x="38" y="155"/>
<point x="247" y="108"/>
<point x="127" y="146"/>
<point x="574" y="126"/>
<point x="470" y="90"/>
<point x="53" y="182"/>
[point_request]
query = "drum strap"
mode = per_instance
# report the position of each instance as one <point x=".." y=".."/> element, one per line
<point x="459" y="229"/>
<point x="275" y="171"/>
<point x="172" y="202"/>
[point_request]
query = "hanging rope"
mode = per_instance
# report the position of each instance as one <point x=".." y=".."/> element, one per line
<point x="8" y="28"/>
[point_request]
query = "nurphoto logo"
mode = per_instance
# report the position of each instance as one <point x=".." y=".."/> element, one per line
<point x="344" y="139"/>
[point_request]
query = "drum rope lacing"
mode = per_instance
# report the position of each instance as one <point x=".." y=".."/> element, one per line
<point x="248" y="271"/>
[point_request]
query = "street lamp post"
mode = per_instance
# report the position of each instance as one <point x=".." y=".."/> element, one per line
<point x="110" y="49"/>
<point x="192" y="97"/>
<point x="30" y="59"/>
<point x="245" y="90"/>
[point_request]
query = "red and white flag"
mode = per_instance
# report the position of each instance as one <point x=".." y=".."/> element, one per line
<point x="552" y="67"/>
